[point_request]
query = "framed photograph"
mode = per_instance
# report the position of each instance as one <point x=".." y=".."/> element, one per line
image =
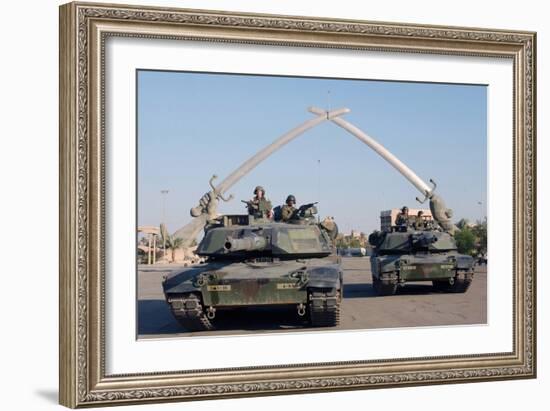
<point x="260" y="204"/>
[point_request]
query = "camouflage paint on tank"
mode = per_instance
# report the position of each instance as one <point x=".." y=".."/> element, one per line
<point x="265" y="238"/>
<point x="416" y="267"/>
<point x="251" y="291"/>
<point x="406" y="254"/>
<point x="258" y="262"/>
<point x="255" y="283"/>
<point x="418" y="270"/>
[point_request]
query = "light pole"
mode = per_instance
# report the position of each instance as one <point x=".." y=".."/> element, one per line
<point x="318" y="189"/>
<point x="164" y="193"/>
<point x="480" y="212"/>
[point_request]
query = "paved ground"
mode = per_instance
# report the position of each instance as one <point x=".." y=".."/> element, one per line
<point x="416" y="304"/>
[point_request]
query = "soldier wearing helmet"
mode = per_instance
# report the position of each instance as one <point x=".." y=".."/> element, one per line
<point x="419" y="222"/>
<point x="403" y="217"/>
<point x="259" y="206"/>
<point x="288" y="211"/>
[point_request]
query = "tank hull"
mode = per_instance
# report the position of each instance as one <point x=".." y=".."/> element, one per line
<point x="448" y="272"/>
<point x="313" y="287"/>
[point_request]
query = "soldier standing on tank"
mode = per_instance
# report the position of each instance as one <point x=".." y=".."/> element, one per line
<point x="259" y="206"/>
<point x="403" y="217"/>
<point x="288" y="211"/>
<point x="419" y="221"/>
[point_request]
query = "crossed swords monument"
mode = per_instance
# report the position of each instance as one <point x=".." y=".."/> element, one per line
<point x="207" y="208"/>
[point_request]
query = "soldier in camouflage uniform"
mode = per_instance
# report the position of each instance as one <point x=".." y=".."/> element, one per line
<point x="259" y="206"/>
<point x="403" y="217"/>
<point x="419" y="223"/>
<point x="288" y="211"/>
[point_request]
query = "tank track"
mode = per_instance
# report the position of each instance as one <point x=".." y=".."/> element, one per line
<point x="386" y="286"/>
<point x="187" y="308"/>
<point x="462" y="281"/>
<point x="324" y="308"/>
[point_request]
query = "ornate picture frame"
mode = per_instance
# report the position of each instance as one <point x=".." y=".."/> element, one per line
<point x="84" y="28"/>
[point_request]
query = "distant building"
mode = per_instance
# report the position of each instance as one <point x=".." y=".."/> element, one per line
<point x="147" y="252"/>
<point x="388" y="217"/>
<point x="356" y="234"/>
<point x="355" y="239"/>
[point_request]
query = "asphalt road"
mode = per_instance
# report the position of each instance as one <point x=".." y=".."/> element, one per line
<point x="415" y="305"/>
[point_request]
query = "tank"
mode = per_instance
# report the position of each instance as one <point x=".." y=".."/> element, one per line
<point x="259" y="262"/>
<point x="407" y="254"/>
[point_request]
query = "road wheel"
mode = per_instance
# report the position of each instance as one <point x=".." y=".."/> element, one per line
<point x="461" y="283"/>
<point x="384" y="287"/>
<point x="324" y="308"/>
<point x="187" y="309"/>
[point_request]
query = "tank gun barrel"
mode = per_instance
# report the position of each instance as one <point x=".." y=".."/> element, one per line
<point x="249" y="243"/>
<point x="424" y="239"/>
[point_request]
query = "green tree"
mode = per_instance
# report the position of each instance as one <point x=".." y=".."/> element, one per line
<point x="465" y="241"/>
<point x="173" y="243"/>
<point x="355" y="243"/>
<point x="462" y="223"/>
<point x="480" y="232"/>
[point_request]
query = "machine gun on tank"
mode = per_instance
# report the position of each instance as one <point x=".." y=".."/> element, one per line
<point x="307" y="210"/>
<point x="249" y="204"/>
<point x="302" y="214"/>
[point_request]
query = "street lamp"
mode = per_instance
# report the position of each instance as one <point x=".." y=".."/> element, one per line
<point x="480" y="212"/>
<point x="164" y="193"/>
<point x="318" y="189"/>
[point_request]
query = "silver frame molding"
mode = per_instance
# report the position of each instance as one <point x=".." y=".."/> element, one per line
<point x="83" y="30"/>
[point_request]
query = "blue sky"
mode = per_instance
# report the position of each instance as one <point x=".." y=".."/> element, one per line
<point x="193" y="125"/>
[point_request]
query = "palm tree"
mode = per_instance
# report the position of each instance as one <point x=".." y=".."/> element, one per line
<point x="462" y="223"/>
<point x="171" y="242"/>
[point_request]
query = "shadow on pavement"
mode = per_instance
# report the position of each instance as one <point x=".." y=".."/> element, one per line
<point x="358" y="290"/>
<point x="363" y="290"/>
<point x="154" y="317"/>
<point x="417" y="289"/>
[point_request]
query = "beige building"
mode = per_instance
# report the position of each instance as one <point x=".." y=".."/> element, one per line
<point x="151" y="247"/>
<point x="151" y="250"/>
<point x="356" y="234"/>
<point x="388" y="217"/>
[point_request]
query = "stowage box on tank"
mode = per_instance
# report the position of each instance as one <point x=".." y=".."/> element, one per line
<point x="259" y="262"/>
<point x="405" y="254"/>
